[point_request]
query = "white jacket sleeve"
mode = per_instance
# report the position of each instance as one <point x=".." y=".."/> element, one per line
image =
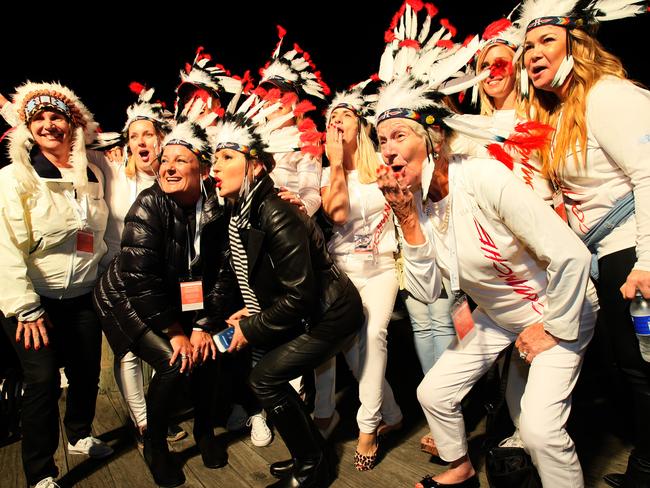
<point x="545" y="236"/>
<point x="618" y="116"/>
<point x="309" y="172"/>
<point x="17" y="295"/>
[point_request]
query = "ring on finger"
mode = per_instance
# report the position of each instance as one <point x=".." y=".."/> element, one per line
<point x="523" y="355"/>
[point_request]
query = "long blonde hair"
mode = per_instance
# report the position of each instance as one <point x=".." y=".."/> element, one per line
<point x="366" y="159"/>
<point x="591" y="63"/>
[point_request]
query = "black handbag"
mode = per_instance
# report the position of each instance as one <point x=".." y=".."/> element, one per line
<point x="511" y="467"/>
<point x="506" y="467"/>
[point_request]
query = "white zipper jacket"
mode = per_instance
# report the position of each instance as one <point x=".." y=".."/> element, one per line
<point x="38" y="238"/>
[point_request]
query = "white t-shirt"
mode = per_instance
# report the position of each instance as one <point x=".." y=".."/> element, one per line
<point x="517" y="274"/>
<point x="300" y="173"/>
<point x="368" y="209"/>
<point x="618" y="161"/>
<point x="120" y="193"/>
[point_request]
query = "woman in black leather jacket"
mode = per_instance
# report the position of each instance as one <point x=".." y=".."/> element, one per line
<point x="300" y="308"/>
<point x="139" y="298"/>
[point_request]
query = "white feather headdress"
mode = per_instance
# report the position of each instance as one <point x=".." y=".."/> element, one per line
<point x="356" y="100"/>
<point x="420" y="69"/>
<point x="215" y="79"/>
<point x="30" y="99"/>
<point x="193" y="131"/>
<point x="295" y="70"/>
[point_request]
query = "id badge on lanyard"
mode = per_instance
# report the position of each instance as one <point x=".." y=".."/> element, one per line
<point x="462" y="318"/>
<point x="191" y="294"/>
<point x="192" y="287"/>
<point x="85" y="238"/>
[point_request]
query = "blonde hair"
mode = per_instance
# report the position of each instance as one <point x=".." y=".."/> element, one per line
<point x="487" y="104"/>
<point x="591" y="63"/>
<point x="131" y="169"/>
<point x="365" y="157"/>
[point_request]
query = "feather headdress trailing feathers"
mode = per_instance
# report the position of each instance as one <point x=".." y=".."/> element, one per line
<point x="572" y="14"/>
<point x="420" y="67"/>
<point x="31" y="99"/>
<point x="215" y="79"/>
<point x="359" y="98"/>
<point x="294" y="70"/>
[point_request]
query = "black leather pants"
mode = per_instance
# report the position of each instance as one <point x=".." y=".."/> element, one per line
<point x="270" y="377"/>
<point x="166" y="385"/>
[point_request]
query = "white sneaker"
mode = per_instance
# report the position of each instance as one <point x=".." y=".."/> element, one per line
<point x="261" y="435"/>
<point x="47" y="483"/>
<point x="90" y="446"/>
<point x="237" y="420"/>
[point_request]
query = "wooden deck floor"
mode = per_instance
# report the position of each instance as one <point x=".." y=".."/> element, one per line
<point x="402" y="465"/>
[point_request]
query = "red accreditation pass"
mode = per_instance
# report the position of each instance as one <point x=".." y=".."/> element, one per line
<point x="462" y="318"/>
<point x="85" y="242"/>
<point x="191" y="295"/>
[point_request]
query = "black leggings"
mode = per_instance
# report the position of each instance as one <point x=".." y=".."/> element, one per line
<point x="619" y="331"/>
<point x="75" y="343"/>
<point x="165" y="386"/>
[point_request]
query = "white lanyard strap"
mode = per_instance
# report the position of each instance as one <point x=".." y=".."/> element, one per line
<point x="454" y="274"/>
<point x="80" y="207"/>
<point x="197" y="237"/>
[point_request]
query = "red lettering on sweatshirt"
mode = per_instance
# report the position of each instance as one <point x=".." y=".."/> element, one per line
<point x="505" y="272"/>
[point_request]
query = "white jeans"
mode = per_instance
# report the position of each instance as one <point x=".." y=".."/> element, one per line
<point x="129" y="379"/>
<point x="545" y="403"/>
<point x="367" y="356"/>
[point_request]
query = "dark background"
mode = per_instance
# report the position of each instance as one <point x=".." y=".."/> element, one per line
<point x="121" y="42"/>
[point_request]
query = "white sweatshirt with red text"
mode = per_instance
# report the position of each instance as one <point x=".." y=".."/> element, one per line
<point x="516" y="258"/>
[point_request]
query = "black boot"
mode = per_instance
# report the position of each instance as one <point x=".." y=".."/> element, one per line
<point x="312" y="468"/>
<point x="307" y="474"/>
<point x="637" y="474"/>
<point x="282" y="469"/>
<point x="213" y="451"/>
<point x="164" y="470"/>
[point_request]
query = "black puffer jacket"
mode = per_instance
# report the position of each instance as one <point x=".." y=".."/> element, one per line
<point x="290" y="271"/>
<point x="140" y="289"/>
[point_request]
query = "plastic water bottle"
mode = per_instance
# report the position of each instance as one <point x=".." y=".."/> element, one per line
<point x="640" y="312"/>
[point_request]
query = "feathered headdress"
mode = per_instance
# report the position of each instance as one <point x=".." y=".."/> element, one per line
<point x="193" y="132"/>
<point x="251" y="133"/>
<point x="31" y="99"/>
<point x="142" y="109"/>
<point x="571" y="14"/>
<point x="215" y="79"/>
<point x="293" y="70"/>
<point x="356" y="100"/>
<point x="420" y="68"/>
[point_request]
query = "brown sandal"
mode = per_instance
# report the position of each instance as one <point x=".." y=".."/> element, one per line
<point x="428" y="445"/>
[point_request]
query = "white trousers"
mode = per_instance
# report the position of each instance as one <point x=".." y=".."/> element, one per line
<point x="367" y="356"/>
<point x="544" y="406"/>
<point x="130" y="381"/>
